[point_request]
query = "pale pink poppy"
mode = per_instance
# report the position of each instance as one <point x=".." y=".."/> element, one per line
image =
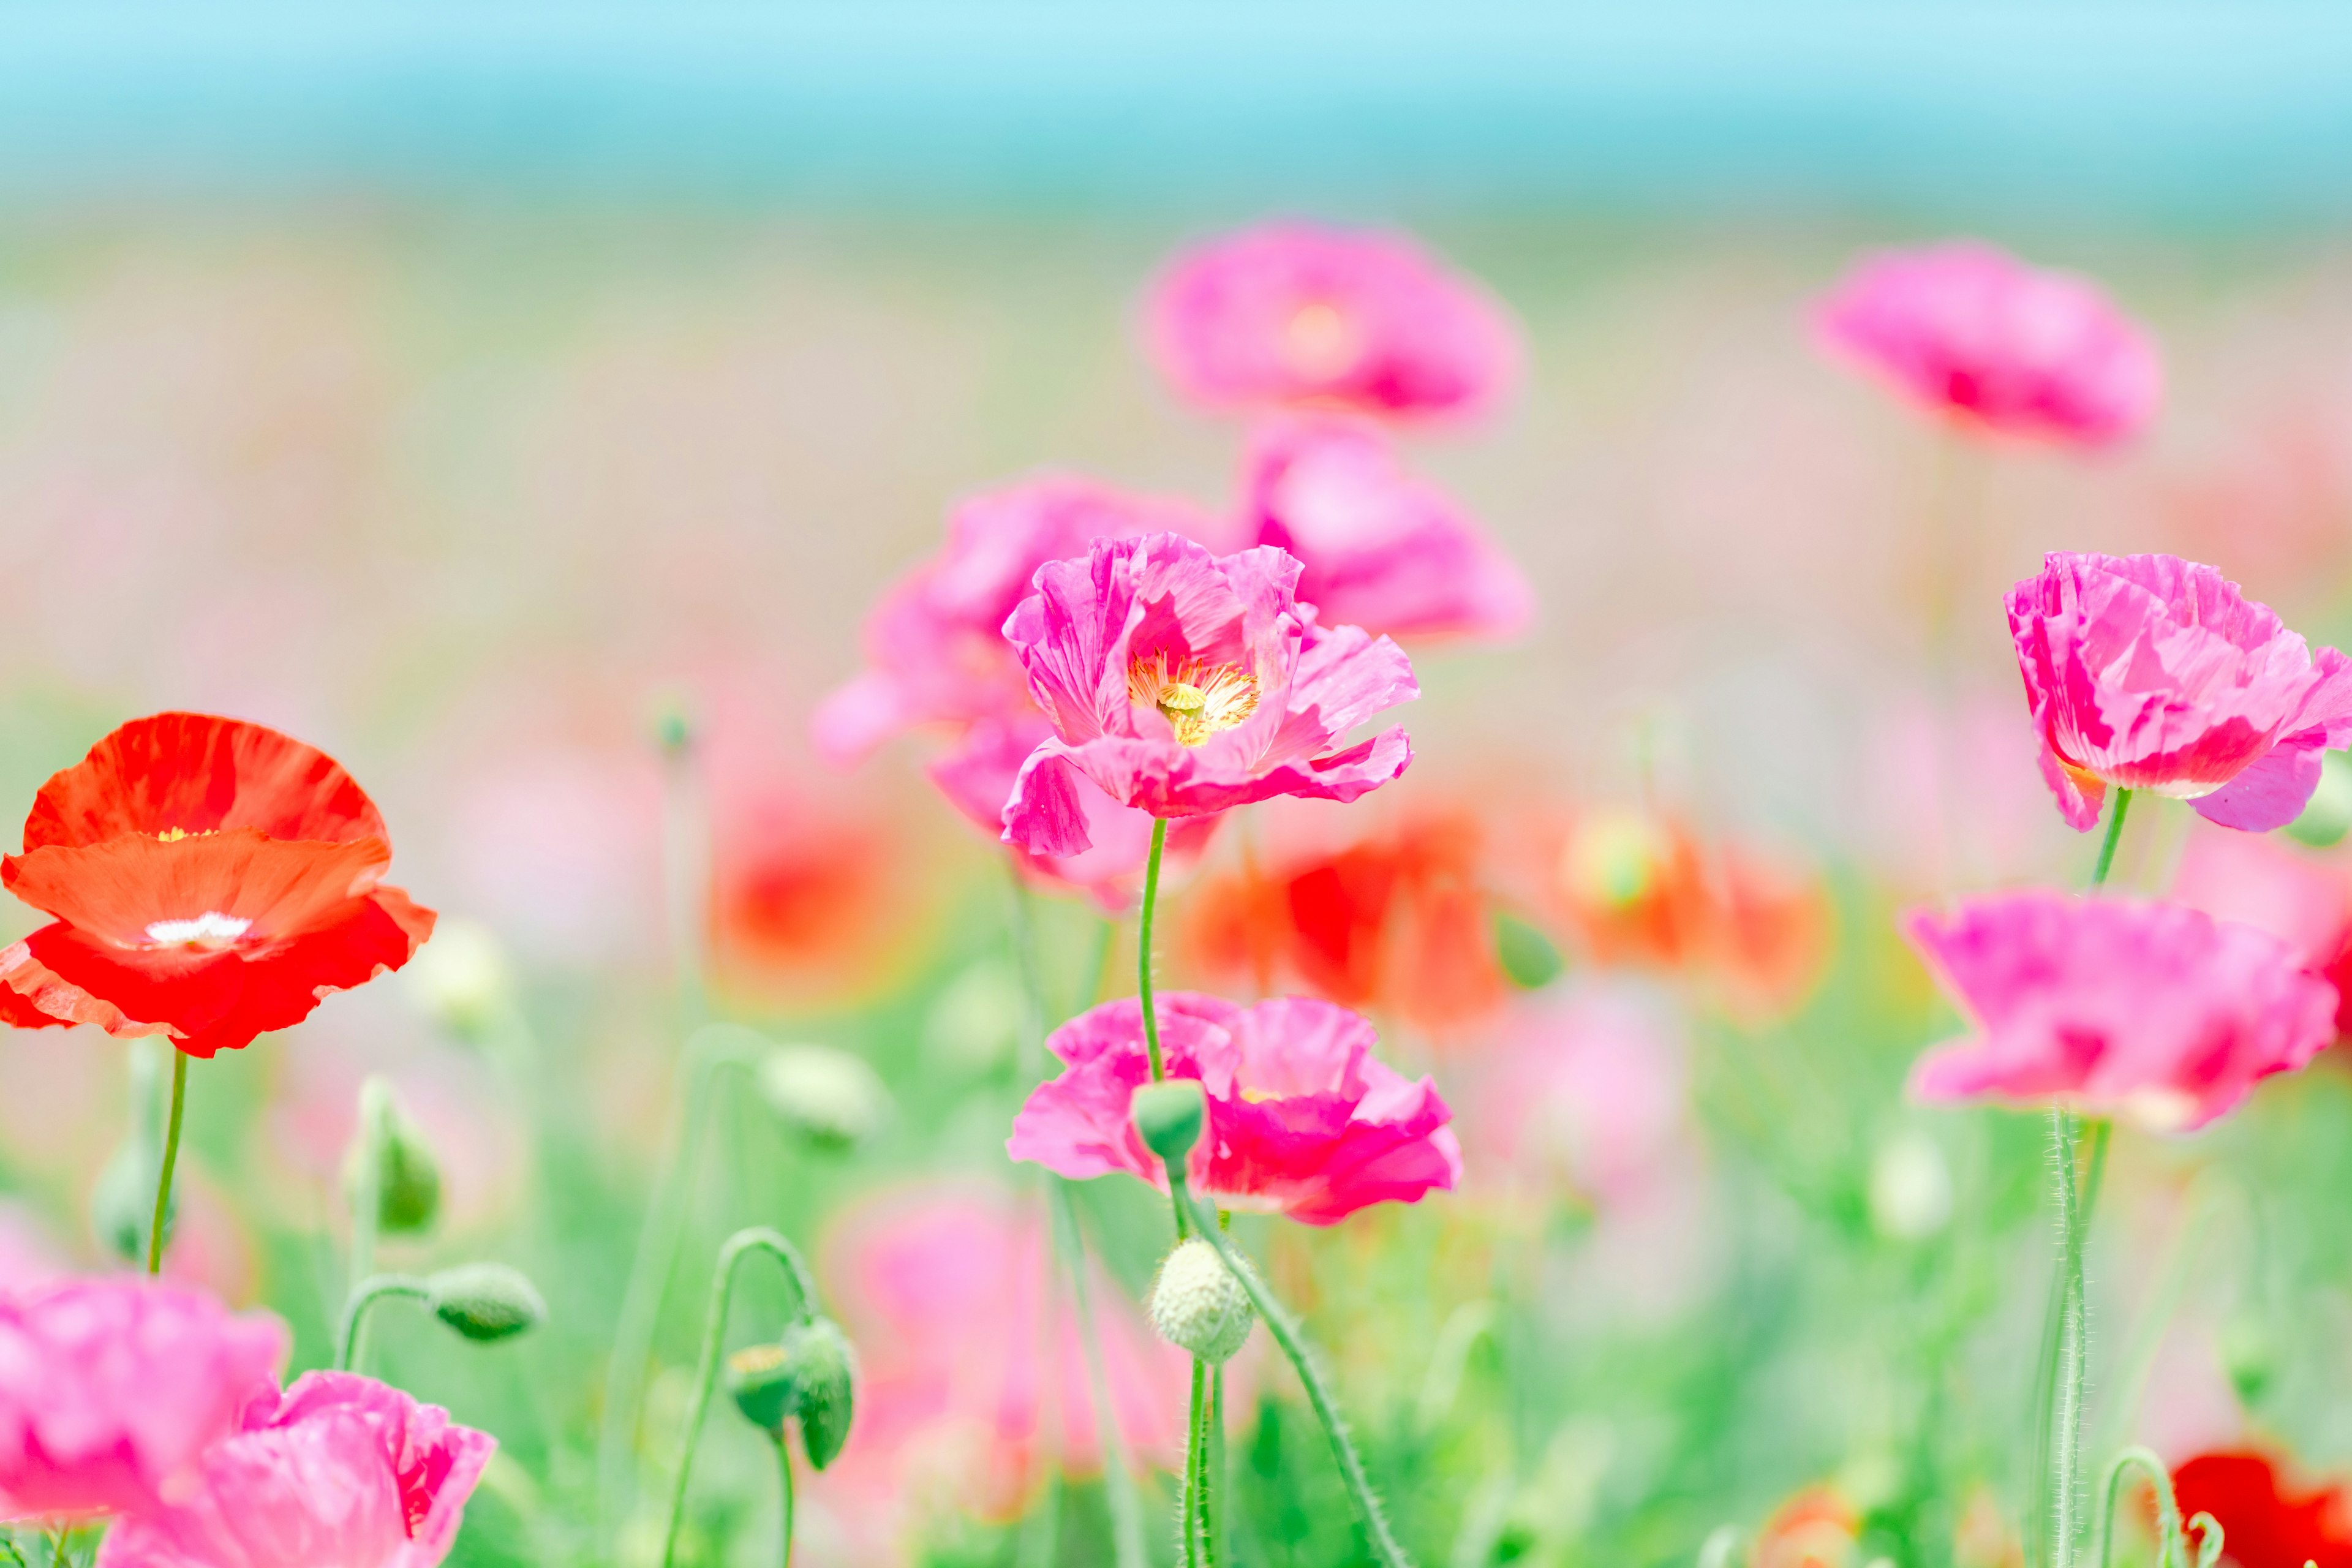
<point x="1303" y="1120"/>
<point x="1971" y="332"/>
<point x="971" y="1375"/>
<point x="1184" y="683"/>
<point x="1298" y="314"/>
<point x="1377" y="546"/>
<point x="338" y="1469"/>
<point x="2151" y="672"/>
<point x="111" y="1390"/>
<point x="2150" y="1011"/>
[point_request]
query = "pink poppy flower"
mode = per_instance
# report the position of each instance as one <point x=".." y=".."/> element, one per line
<point x="1294" y="314"/>
<point x="935" y="646"/>
<point x="111" y="1388"/>
<point x="977" y="775"/>
<point x="1972" y="332"/>
<point x="339" y="1469"/>
<point x="2150" y="672"/>
<point x="1183" y="683"/>
<point x="972" y="1375"/>
<point x="1303" y="1120"/>
<point x="2147" y="1010"/>
<point x="1377" y="547"/>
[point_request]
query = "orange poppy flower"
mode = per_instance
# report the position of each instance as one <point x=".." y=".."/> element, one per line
<point x="212" y="880"/>
<point x="1398" y="920"/>
<point x="1815" y="1529"/>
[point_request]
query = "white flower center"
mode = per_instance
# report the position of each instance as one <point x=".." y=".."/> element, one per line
<point x="211" y="929"/>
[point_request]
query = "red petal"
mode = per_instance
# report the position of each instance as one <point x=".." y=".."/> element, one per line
<point x="283" y="984"/>
<point x="200" y="773"/>
<point x="118" y="888"/>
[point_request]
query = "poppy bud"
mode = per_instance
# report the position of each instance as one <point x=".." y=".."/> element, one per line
<point x="408" y="1177"/>
<point x="2249" y="1356"/>
<point x="1168" y="1116"/>
<point x="484" y="1301"/>
<point x="1198" y="1306"/>
<point x="1527" y="956"/>
<point x="829" y="1097"/>
<point x="824" y="1377"/>
<point x="760" y="1382"/>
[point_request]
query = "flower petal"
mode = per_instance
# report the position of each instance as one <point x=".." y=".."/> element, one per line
<point x="198" y="774"/>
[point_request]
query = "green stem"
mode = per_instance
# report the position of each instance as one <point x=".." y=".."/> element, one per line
<point x="740" y="1246"/>
<point x="784" y="1471"/>
<point x="1213" y="1464"/>
<point x="1193" y="1506"/>
<point x="1288" y="1336"/>
<point x="2168" y="1541"/>
<point x="171" y="1159"/>
<point x="2115" y="835"/>
<point x="2075" y="1201"/>
<point x="654" y="1260"/>
<point x="57" y="1559"/>
<point x="366" y="1294"/>
<point x="1119" y="1481"/>
<point x="1143" y="954"/>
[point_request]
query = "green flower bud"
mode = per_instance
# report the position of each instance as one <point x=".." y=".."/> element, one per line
<point x="461" y="978"/>
<point x="407" y="1177"/>
<point x="825" y="1375"/>
<point x="1527" y="957"/>
<point x="829" y="1097"/>
<point x="2249" y="1357"/>
<point x="1169" y="1116"/>
<point x="1198" y="1306"/>
<point x="484" y="1301"/>
<point x="759" y="1380"/>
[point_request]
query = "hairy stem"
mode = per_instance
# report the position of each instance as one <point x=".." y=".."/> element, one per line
<point x="1290" y="1337"/>
<point x="364" y="1295"/>
<point x="171" y="1160"/>
<point x="1195" y="1506"/>
<point x="2169" y="1548"/>
<point x="740" y="1246"/>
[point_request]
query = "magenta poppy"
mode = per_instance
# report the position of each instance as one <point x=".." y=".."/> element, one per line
<point x="1296" y="314"/>
<point x="1302" y="1118"/>
<point x="2150" y="672"/>
<point x="1183" y="683"/>
<point x="1971" y="332"/>
<point x="1378" y="547"/>
<point x="2150" y="1011"/>
<point x="111" y="1390"/>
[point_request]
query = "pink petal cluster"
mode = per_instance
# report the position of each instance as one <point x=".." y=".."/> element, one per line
<point x="2150" y="1011"/>
<point x="339" y="1470"/>
<point x="110" y="1389"/>
<point x="1295" y="314"/>
<point x="971" y="1373"/>
<point x="1971" y="331"/>
<point x="2149" y="672"/>
<point x="1135" y="616"/>
<point x="1378" y="547"/>
<point x="1302" y="1119"/>
<point x="936" y="655"/>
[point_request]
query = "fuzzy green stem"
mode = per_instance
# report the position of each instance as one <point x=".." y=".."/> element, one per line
<point x="2115" y="837"/>
<point x="785" y="1473"/>
<point x="740" y="1246"/>
<point x="1194" y="1506"/>
<point x="655" y="1257"/>
<point x="171" y="1159"/>
<point x="1119" y="1481"/>
<point x="2077" y="1197"/>
<point x="1143" y="951"/>
<point x="1290" y="1337"/>
<point x="2168" y="1541"/>
<point x="1213" y="1464"/>
<point x="366" y="1294"/>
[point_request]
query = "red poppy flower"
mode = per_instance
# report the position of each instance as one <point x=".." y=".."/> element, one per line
<point x="212" y="880"/>
<point x="2263" y="1523"/>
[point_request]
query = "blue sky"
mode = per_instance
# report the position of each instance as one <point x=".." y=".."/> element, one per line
<point x="2064" y="106"/>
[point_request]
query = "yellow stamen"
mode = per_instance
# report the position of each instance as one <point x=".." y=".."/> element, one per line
<point x="1198" y="700"/>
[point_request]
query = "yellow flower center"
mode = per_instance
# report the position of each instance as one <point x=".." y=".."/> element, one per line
<point x="1197" y="699"/>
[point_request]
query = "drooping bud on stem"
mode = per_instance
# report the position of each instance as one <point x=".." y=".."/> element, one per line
<point x="831" y="1099"/>
<point x="484" y="1301"/>
<point x="407" y="1177"/>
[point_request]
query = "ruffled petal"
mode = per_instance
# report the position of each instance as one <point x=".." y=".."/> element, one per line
<point x="2274" y="791"/>
<point x="194" y="772"/>
<point x="1044" y="814"/>
<point x="118" y="888"/>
